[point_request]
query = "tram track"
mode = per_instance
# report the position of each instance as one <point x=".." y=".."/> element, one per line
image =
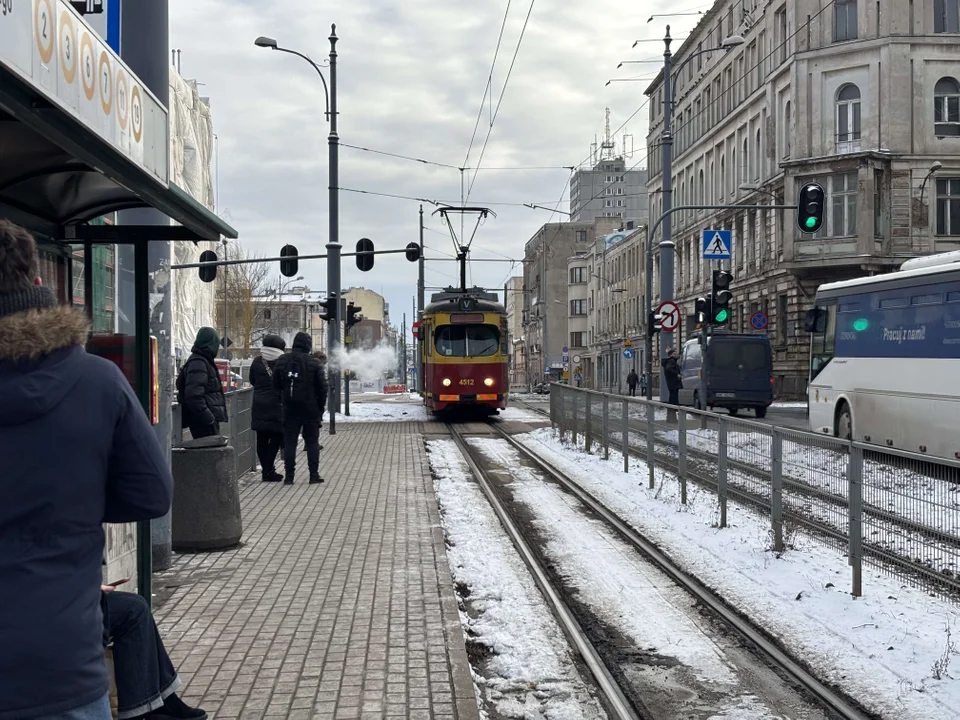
<point x="702" y="468"/>
<point x="619" y="697"/>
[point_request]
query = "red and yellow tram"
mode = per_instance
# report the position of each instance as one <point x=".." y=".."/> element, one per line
<point x="463" y="345"/>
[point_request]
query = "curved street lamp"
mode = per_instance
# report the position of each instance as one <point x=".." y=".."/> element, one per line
<point x="333" y="244"/>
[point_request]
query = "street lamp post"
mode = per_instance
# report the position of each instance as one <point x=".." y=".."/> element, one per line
<point x="666" y="243"/>
<point x="333" y="245"/>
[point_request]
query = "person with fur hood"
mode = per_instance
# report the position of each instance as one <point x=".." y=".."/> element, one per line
<point x="78" y="451"/>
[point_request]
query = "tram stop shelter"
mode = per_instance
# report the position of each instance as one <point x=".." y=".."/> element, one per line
<point x="82" y="137"/>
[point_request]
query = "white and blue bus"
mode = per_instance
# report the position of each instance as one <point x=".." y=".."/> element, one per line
<point x="885" y="358"/>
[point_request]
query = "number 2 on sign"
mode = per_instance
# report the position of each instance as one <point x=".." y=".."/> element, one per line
<point x="466" y="381"/>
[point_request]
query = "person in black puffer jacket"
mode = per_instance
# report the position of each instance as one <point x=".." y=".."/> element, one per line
<point x="302" y="384"/>
<point x="199" y="390"/>
<point x="267" y="420"/>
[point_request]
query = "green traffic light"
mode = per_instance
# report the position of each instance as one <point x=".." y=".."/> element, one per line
<point x="810" y="222"/>
<point x="721" y="316"/>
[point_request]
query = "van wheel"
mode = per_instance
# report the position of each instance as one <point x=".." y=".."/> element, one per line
<point x="734" y="410"/>
<point x="761" y="412"/>
<point x="844" y="422"/>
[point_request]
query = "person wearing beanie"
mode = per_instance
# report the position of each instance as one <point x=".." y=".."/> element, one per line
<point x="267" y="420"/>
<point x="78" y="451"/>
<point x="302" y="384"/>
<point x="199" y="388"/>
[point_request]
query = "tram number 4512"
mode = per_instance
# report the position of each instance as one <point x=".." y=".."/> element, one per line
<point x="466" y="381"/>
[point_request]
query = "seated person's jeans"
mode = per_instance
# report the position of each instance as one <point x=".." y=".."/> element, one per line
<point x="143" y="671"/>
<point x="99" y="710"/>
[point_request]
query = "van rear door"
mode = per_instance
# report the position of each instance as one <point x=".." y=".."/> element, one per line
<point x="739" y="371"/>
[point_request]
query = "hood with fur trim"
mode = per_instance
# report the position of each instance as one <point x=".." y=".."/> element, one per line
<point x="38" y="361"/>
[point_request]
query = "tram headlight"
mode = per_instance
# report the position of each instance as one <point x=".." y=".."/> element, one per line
<point x="488" y="382"/>
<point x="446" y="382"/>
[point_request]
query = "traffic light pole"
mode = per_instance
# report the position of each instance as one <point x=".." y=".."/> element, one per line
<point x="648" y="349"/>
<point x="333" y="246"/>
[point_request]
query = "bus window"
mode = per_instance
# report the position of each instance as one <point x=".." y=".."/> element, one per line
<point x="822" y="343"/>
<point x="467" y="340"/>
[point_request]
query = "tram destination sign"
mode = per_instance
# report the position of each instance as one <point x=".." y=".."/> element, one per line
<point x="50" y="46"/>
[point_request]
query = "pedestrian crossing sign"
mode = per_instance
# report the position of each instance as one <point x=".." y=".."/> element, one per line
<point x="716" y="244"/>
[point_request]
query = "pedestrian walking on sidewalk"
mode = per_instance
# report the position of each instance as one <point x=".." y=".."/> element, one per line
<point x="267" y="415"/>
<point x="302" y="384"/>
<point x="632" y="380"/>
<point x="78" y="451"/>
<point x="199" y="388"/>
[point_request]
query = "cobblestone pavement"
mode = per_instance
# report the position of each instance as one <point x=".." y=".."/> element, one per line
<point x="339" y="603"/>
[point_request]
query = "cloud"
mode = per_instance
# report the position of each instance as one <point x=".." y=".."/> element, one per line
<point x="410" y="80"/>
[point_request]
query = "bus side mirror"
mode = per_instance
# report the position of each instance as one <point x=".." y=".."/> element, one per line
<point x="815" y="321"/>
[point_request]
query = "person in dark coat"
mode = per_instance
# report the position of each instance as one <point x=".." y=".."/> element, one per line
<point x="300" y="378"/>
<point x="78" y="451"/>
<point x="199" y="388"/>
<point x="671" y="371"/>
<point x="267" y="418"/>
<point x="632" y="380"/>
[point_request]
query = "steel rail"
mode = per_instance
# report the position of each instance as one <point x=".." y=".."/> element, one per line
<point x="614" y="698"/>
<point x="757" y="637"/>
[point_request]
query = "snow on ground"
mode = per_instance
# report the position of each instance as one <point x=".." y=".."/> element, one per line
<point x="885" y="649"/>
<point x="380" y="411"/>
<point x="531" y="673"/>
<point x="800" y="404"/>
<point x="521" y="414"/>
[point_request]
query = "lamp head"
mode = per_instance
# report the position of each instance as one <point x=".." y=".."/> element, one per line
<point x="935" y="166"/>
<point x="265" y="42"/>
<point x="732" y="41"/>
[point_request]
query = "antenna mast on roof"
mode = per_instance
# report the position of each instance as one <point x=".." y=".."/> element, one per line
<point x="608" y="145"/>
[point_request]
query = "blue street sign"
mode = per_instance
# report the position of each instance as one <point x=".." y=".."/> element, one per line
<point x="412" y="371"/>
<point x="566" y="358"/>
<point x="547" y="369"/>
<point x="627" y="353"/>
<point x="577" y="377"/>
<point x="759" y="321"/>
<point x="716" y="244"/>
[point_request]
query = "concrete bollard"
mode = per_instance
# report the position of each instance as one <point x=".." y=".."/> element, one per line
<point x="206" y="497"/>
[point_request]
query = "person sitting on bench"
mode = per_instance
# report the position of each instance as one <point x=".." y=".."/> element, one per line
<point x="145" y="677"/>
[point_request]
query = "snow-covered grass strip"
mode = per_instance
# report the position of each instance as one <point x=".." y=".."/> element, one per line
<point x="892" y="649"/>
<point x="530" y="671"/>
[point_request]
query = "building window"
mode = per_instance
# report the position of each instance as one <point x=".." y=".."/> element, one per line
<point x="609" y="178"/>
<point x="782" y="39"/>
<point x="578" y="307"/>
<point x="841" y="206"/>
<point x="578" y="275"/>
<point x="267" y="315"/>
<point x="946" y="18"/>
<point x="619" y="191"/>
<point x="619" y="203"/>
<point x="948" y="206"/>
<point x="576" y="340"/>
<point x="787" y="131"/>
<point x="581" y="236"/>
<point x="844" y="20"/>
<point x="946" y="107"/>
<point x="848" y="119"/>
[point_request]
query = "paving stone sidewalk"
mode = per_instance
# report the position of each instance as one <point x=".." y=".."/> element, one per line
<point x="339" y="603"/>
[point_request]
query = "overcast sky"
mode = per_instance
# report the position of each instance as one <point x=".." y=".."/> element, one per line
<point x="411" y="76"/>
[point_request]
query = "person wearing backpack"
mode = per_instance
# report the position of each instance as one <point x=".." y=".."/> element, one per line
<point x="302" y="384"/>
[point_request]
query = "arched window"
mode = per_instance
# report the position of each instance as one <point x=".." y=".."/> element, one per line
<point x="946" y="107"/>
<point x="787" y="131"/>
<point x="848" y="118"/>
<point x="723" y="177"/>
<point x="745" y="171"/>
<point x="701" y="197"/>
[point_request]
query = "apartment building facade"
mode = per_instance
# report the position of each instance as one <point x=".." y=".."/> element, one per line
<point x="862" y="97"/>
<point x="609" y="189"/>
<point x="513" y="301"/>
<point x="546" y="311"/>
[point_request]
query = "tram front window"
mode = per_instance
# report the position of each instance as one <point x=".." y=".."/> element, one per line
<point x="467" y="340"/>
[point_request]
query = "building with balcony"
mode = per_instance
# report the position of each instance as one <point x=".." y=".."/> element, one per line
<point x="861" y="97"/>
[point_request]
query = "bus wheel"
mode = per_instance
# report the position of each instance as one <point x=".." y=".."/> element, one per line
<point x="844" y="423"/>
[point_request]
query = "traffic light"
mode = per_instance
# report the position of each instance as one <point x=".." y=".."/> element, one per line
<point x="701" y="309"/>
<point x="352" y="315"/>
<point x="719" y="305"/>
<point x="365" y="254"/>
<point x="413" y="252"/>
<point x="330" y="307"/>
<point x="290" y="263"/>
<point x="208" y="273"/>
<point x="810" y="208"/>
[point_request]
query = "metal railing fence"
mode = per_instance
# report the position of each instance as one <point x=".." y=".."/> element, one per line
<point x="237" y="430"/>
<point x="895" y="510"/>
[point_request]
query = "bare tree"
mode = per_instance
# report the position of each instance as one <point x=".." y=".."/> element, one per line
<point x="239" y="290"/>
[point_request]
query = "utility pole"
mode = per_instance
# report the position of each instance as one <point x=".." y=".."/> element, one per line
<point x="666" y="243"/>
<point x="420" y="302"/>
<point x="333" y="246"/>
